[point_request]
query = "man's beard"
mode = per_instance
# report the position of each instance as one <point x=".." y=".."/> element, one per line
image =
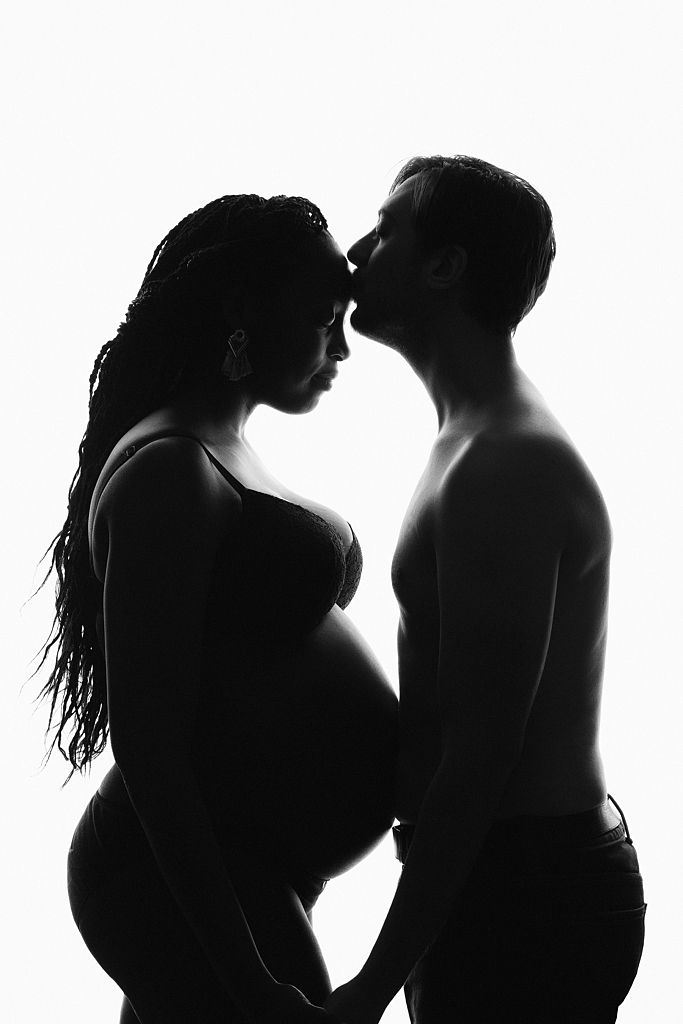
<point x="395" y="328"/>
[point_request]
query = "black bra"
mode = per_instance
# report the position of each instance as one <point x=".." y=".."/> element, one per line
<point x="280" y="572"/>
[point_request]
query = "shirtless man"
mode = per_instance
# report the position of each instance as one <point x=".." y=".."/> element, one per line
<point x="520" y="898"/>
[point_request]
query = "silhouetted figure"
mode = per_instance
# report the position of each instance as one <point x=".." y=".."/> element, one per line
<point x="520" y="899"/>
<point x="199" y="620"/>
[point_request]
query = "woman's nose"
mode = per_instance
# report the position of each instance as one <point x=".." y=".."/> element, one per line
<point x="338" y="348"/>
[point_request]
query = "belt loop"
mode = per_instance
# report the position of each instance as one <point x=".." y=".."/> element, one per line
<point x="623" y="818"/>
<point x="403" y="837"/>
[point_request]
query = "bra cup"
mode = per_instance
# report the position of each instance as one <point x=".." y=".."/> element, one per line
<point x="352" y="573"/>
<point x="279" y="574"/>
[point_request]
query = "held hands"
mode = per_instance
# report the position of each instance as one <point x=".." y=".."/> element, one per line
<point x="344" y="1006"/>
<point x="349" y="1005"/>
<point x="294" y="1008"/>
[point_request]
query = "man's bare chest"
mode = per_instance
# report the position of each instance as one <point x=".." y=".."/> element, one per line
<point x="414" y="568"/>
<point x="415" y="581"/>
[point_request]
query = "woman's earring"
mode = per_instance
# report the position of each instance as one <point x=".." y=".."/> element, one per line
<point x="236" y="364"/>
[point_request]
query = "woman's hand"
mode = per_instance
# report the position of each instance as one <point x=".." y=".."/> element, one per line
<point x="294" y="1008"/>
<point x="348" y="1004"/>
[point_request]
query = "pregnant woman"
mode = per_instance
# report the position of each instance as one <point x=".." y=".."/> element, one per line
<point x="200" y="625"/>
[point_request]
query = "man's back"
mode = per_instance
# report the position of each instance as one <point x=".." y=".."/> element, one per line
<point x="522" y="479"/>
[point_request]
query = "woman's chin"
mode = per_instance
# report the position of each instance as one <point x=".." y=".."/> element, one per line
<point x="296" y="404"/>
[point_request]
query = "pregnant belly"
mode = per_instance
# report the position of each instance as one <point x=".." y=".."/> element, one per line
<point x="299" y="745"/>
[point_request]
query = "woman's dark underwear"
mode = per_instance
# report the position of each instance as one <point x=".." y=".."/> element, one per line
<point x="135" y="930"/>
<point x="549" y="928"/>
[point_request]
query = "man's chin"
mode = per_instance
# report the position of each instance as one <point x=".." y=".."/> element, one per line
<point x="357" y="321"/>
<point x="366" y="325"/>
<point x="380" y="331"/>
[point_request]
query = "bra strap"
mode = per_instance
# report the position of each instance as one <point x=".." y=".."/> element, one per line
<point x="133" y="448"/>
<point x="233" y="481"/>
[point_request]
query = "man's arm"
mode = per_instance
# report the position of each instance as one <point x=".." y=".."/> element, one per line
<point x="498" y="536"/>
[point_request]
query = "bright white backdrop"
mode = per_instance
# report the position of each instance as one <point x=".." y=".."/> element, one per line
<point x="119" y="118"/>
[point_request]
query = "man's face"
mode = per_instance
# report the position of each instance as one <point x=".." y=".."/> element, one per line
<point x="385" y="287"/>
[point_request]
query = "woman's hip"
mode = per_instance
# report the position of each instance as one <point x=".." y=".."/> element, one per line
<point x="109" y="844"/>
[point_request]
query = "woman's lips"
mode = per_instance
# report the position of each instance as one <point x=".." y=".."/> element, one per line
<point x="326" y="380"/>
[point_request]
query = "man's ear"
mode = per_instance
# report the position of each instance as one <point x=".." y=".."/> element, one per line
<point x="446" y="267"/>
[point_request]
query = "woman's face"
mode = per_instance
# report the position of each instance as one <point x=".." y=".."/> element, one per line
<point x="298" y="331"/>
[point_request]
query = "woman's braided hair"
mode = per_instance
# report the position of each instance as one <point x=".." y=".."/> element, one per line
<point x="172" y="333"/>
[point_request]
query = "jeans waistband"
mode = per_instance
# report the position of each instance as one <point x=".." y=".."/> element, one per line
<point x="595" y="827"/>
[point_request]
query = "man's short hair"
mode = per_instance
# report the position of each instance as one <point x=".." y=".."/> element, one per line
<point x="504" y="225"/>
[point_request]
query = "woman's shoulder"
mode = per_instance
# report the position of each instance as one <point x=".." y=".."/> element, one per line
<point x="165" y="479"/>
<point x="158" y="445"/>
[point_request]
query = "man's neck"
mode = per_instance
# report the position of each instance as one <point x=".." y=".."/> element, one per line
<point x="465" y="368"/>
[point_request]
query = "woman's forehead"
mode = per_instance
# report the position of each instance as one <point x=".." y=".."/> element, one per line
<point x="327" y="270"/>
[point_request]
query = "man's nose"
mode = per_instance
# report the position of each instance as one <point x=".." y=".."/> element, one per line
<point x="359" y="251"/>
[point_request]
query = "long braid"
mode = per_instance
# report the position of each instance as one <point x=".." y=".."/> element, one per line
<point x="155" y="355"/>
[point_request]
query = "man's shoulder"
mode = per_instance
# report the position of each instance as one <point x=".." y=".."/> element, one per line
<point x="525" y="466"/>
<point x="509" y="453"/>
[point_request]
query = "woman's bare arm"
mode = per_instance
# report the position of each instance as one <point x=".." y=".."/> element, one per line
<point x="161" y="517"/>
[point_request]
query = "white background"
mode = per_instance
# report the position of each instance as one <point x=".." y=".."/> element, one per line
<point x="119" y="118"/>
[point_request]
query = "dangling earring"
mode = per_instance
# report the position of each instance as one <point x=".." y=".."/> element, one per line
<point x="236" y="364"/>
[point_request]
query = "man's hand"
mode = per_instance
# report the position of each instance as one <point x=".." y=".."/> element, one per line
<point x="351" y="1006"/>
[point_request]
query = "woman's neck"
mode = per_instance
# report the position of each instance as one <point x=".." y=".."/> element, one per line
<point x="216" y="409"/>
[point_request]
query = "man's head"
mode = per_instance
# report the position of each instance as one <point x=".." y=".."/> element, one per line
<point x="485" y="231"/>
